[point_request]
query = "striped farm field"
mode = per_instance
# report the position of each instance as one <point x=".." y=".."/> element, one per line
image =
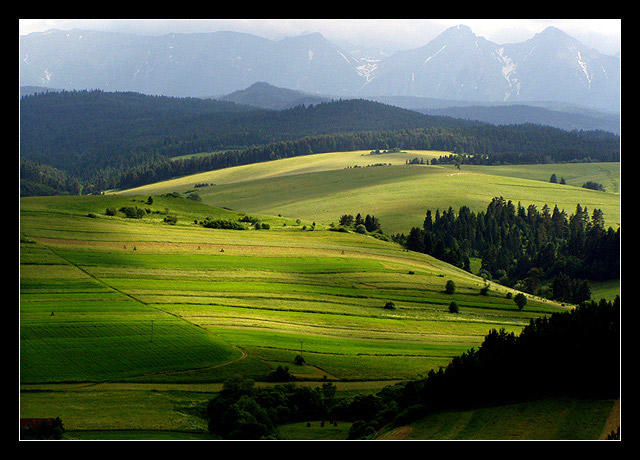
<point x="110" y="298"/>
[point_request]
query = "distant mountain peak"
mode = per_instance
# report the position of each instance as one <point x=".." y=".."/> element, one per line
<point x="456" y="65"/>
<point x="553" y="31"/>
<point x="459" y="31"/>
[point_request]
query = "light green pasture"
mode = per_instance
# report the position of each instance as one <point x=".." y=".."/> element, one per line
<point x="207" y="294"/>
<point x="322" y="187"/>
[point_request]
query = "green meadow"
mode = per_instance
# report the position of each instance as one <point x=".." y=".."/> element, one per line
<point x="322" y="187"/>
<point x="111" y="300"/>
<point x="546" y="419"/>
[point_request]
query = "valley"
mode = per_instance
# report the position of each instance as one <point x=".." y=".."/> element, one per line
<point x="240" y="230"/>
<point x="114" y="307"/>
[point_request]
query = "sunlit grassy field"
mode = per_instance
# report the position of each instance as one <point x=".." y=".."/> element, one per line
<point x="322" y="187"/>
<point x="107" y="297"/>
<point x="112" y="299"/>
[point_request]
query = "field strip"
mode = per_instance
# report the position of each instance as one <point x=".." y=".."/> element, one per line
<point x="242" y="352"/>
<point x="396" y="434"/>
<point x="192" y="387"/>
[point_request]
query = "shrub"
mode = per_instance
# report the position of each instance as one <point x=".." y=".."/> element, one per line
<point x="450" y="287"/>
<point x="47" y="429"/>
<point x="250" y="219"/>
<point x="281" y="374"/>
<point x="390" y="306"/>
<point x="171" y="220"/>
<point x="453" y="307"/>
<point x="133" y="212"/>
<point x="362" y="429"/>
<point x="299" y="360"/>
<point x="224" y="224"/>
<point x="361" y="229"/>
<point x="520" y="300"/>
<point x="594" y="186"/>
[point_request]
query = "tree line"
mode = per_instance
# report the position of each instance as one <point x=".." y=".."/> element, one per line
<point x="520" y="247"/>
<point x="89" y="141"/>
<point x="573" y="354"/>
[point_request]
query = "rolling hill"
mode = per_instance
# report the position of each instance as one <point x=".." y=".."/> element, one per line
<point x="323" y="187"/>
<point x="105" y="297"/>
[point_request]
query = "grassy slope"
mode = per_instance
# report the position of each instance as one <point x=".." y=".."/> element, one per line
<point x="319" y="188"/>
<point x="547" y="419"/>
<point x="104" y="295"/>
<point x="270" y="293"/>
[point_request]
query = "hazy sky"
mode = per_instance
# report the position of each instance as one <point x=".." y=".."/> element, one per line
<point x="603" y="35"/>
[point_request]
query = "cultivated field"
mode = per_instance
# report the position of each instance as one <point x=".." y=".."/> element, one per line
<point x="129" y="324"/>
<point x="109" y="298"/>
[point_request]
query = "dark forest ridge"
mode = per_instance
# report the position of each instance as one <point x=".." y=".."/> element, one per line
<point x="96" y="140"/>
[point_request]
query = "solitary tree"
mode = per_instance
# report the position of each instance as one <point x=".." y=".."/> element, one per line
<point x="450" y="287"/>
<point x="520" y="300"/>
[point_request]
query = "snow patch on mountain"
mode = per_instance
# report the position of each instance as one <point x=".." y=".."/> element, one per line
<point x="367" y="69"/>
<point x="583" y="65"/>
<point x="434" y="55"/>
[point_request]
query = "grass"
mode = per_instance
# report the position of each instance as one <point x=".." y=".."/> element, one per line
<point x="92" y="290"/>
<point x="547" y="419"/>
<point x="318" y="430"/>
<point x="225" y="302"/>
<point x="322" y="187"/>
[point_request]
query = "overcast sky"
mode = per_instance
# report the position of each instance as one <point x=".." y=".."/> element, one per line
<point x="603" y="35"/>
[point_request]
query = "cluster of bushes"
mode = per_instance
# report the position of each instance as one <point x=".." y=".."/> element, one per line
<point x="209" y="222"/>
<point x="131" y="212"/>
<point x="391" y="150"/>
<point x="361" y="225"/>
<point x="41" y="429"/>
<point x="255" y="222"/>
<point x="243" y="411"/>
<point x="591" y="185"/>
<point x="171" y="220"/>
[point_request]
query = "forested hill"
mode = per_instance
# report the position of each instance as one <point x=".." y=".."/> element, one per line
<point x="92" y="140"/>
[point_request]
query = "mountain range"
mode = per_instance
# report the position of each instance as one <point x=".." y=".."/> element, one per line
<point x="457" y="66"/>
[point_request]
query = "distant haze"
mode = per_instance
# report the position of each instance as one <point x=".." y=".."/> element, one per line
<point x="457" y="65"/>
<point x="603" y="35"/>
